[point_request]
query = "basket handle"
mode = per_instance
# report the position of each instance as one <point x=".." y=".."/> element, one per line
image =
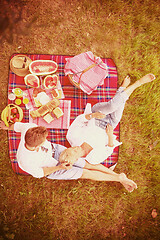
<point x="85" y="70"/>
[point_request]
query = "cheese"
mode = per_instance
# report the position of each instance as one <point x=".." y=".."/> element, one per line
<point x="58" y="112"/>
<point x="48" y="118"/>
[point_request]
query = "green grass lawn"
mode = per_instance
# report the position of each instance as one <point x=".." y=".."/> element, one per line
<point x="129" y="33"/>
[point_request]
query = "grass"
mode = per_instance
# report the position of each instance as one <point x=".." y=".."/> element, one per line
<point x="128" y="32"/>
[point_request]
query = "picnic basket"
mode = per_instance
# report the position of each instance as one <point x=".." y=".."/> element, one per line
<point x="19" y="65"/>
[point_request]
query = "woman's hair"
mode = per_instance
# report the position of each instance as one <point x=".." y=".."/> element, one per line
<point x="69" y="155"/>
<point x="35" y="136"/>
<point x="65" y="154"/>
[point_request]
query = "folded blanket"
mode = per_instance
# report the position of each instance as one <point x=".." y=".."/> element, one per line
<point x="89" y="71"/>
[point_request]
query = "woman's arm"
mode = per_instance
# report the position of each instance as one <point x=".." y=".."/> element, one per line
<point x="109" y="131"/>
<point x="97" y="115"/>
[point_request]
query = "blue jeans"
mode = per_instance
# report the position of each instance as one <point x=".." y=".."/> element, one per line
<point x="112" y="109"/>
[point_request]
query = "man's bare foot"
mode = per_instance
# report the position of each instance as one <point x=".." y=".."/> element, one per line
<point x="127" y="183"/>
<point x="146" y="79"/>
<point x="126" y="82"/>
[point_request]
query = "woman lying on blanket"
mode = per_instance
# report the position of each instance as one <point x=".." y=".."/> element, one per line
<point x="96" y="128"/>
<point x="41" y="158"/>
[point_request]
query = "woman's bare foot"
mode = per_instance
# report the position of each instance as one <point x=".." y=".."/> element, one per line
<point x="127" y="183"/>
<point x="126" y="82"/>
<point x="146" y="79"/>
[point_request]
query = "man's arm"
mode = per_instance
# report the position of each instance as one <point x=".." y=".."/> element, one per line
<point x="4" y="127"/>
<point x="62" y="166"/>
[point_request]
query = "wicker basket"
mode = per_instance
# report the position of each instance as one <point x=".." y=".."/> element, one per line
<point x="19" y="64"/>
<point x="70" y="76"/>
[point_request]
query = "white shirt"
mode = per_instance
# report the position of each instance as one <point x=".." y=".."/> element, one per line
<point x="33" y="162"/>
<point x="83" y="130"/>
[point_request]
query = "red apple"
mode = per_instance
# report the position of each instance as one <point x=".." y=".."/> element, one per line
<point x="15" y="120"/>
<point x="14" y="110"/>
<point x="17" y="115"/>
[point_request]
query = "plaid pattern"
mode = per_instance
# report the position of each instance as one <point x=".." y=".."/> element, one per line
<point x="78" y="99"/>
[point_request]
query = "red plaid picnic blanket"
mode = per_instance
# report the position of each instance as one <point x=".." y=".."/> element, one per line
<point x="78" y="99"/>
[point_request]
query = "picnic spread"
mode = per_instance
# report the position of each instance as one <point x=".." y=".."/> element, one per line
<point x="52" y="90"/>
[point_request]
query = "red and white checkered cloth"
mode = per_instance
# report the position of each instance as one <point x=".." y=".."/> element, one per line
<point x="60" y="123"/>
<point x="90" y="79"/>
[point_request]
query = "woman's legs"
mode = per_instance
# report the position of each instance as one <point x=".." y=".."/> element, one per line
<point x="98" y="167"/>
<point x="112" y="105"/>
<point x="97" y="175"/>
<point x="115" y="106"/>
<point x="146" y="79"/>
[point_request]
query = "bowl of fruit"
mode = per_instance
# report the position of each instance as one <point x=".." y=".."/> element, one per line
<point x="11" y="114"/>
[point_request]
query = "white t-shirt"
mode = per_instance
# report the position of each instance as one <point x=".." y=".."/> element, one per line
<point x="83" y="130"/>
<point x="33" y="162"/>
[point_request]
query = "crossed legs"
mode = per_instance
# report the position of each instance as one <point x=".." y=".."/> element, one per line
<point x="116" y="105"/>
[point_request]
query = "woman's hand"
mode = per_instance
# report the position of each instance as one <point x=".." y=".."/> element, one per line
<point x="97" y="115"/>
<point x="109" y="130"/>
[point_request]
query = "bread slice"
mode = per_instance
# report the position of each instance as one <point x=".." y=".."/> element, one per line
<point x="56" y="93"/>
<point x="37" y="103"/>
<point x="52" y="104"/>
<point x="48" y="118"/>
<point x="34" y="114"/>
<point x="58" y="112"/>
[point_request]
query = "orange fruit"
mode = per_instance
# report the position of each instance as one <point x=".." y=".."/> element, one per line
<point x="18" y="101"/>
<point x="25" y="100"/>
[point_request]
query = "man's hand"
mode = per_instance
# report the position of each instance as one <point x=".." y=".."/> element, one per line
<point x="66" y="165"/>
<point x="3" y="126"/>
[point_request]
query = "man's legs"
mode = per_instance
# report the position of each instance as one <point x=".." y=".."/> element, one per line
<point x="99" y="167"/>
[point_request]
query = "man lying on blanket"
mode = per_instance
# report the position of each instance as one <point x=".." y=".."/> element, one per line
<point x="41" y="158"/>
